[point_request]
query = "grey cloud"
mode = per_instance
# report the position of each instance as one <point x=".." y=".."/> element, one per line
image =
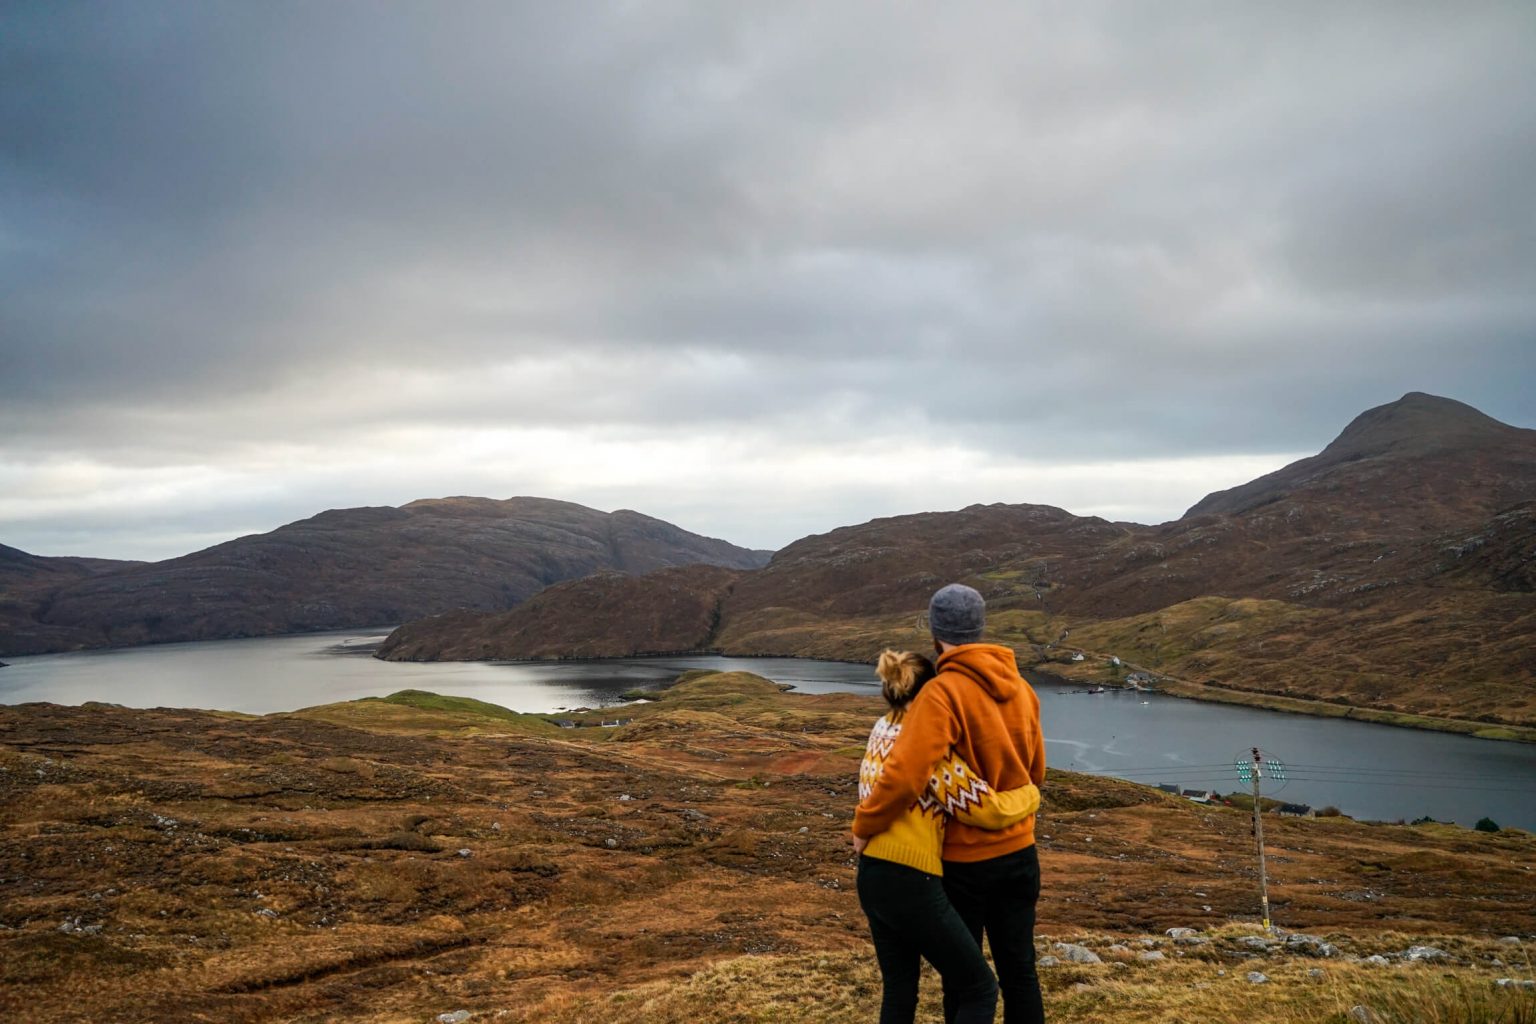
<point x="1136" y="231"/>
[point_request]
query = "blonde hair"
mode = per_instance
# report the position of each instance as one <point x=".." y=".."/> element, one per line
<point x="902" y="674"/>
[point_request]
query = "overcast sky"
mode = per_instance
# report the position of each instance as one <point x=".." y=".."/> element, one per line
<point x="758" y="269"/>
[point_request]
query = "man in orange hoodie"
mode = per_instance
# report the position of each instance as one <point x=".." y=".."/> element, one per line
<point x="979" y="707"/>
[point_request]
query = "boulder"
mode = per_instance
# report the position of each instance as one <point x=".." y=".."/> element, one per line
<point x="1311" y="945"/>
<point x="1073" y="953"/>
<point x="1258" y="978"/>
<point x="1429" y="954"/>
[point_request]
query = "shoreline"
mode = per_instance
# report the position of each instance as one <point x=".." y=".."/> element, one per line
<point x="1503" y="732"/>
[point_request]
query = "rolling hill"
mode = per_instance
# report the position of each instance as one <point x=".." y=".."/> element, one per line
<point x="338" y="569"/>
<point x="1393" y="571"/>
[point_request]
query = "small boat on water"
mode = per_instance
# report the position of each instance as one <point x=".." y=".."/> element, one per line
<point x="1097" y="689"/>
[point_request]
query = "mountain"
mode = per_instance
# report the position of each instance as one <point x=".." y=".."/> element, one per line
<point x="1393" y="570"/>
<point x="664" y="612"/>
<point x="1444" y="459"/>
<point x="26" y="583"/>
<point x="342" y="568"/>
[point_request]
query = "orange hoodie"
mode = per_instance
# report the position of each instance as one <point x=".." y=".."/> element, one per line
<point x="979" y="706"/>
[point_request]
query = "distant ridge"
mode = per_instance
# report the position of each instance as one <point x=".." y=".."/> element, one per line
<point x="1415" y="427"/>
<point x="341" y="568"/>
<point x="1395" y="570"/>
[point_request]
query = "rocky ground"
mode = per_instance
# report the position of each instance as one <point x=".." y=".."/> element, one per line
<point x="396" y="860"/>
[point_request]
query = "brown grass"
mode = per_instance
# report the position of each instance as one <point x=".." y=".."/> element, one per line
<point x="307" y="867"/>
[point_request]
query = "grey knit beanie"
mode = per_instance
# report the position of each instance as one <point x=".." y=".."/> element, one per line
<point x="957" y="614"/>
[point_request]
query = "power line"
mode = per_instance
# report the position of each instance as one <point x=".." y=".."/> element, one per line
<point x="1412" y="786"/>
<point x="1169" y="769"/>
<point x="1388" y="771"/>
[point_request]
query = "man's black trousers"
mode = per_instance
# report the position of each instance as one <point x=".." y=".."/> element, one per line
<point x="998" y="897"/>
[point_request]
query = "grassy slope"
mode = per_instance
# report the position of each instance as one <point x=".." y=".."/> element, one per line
<point x="1236" y="651"/>
<point x="691" y="865"/>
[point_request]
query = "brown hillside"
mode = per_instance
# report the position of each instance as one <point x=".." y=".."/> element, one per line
<point x="26" y="584"/>
<point x="1410" y="449"/>
<point x="605" y="615"/>
<point x="365" y="566"/>
<point x="1403" y="555"/>
<point x="389" y="860"/>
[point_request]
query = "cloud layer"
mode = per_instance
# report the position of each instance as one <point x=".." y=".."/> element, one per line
<point x="764" y="270"/>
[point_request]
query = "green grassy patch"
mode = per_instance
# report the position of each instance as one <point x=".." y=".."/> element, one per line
<point x="413" y="710"/>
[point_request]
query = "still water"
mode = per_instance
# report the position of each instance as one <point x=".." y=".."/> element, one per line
<point x="1368" y="771"/>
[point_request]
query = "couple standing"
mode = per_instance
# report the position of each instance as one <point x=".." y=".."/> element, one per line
<point x="945" y="827"/>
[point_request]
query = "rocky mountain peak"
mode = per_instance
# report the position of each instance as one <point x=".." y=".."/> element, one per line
<point x="1417" y="423"/>
<point x="1417" y="439"/>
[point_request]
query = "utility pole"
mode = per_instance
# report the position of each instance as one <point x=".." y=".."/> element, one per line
<point x="1253" y="771"/>
<point x="1258" y="836"/>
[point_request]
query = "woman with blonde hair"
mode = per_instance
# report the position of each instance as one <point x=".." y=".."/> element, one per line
<point x="901" y="869"/>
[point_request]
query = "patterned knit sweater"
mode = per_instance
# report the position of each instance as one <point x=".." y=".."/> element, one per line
<point x="916" y="838"/>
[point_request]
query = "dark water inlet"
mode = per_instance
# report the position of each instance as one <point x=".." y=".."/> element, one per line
<point x="1366" y="770"/>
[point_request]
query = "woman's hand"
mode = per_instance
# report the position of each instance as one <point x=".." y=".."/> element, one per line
<point x="859" y="842"/>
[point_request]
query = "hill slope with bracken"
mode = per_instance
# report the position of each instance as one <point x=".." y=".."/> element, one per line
<point x="1393" y="570"/>
<point x="341" y="568"/>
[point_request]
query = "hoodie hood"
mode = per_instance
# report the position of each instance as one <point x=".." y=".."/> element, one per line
<point x="992" y="667"/>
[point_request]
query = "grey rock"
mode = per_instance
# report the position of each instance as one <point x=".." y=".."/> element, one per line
<point x="1077" y="954"/>
<point x="1119" y="950"/>
<point x="1376" y="960"/>
<point x="611" y="843"/>
<point x="1427" y="953"/>
<point x="1258" y="978"/>
<point x="1317" y="974"/>
<point x="694" y="814"/>
<point x="1149" y="943"/>
<point x="456" y="1017"/>
<point x="1311" y="945"/>
<point x="1255" y="942"/>
<point x="1151" y="956"/>
<point x="1520" y="983"/>
<point x="1510" y="940"/>
<point x="1191" y="940"/>
<point x="266" y="912"/>
<point x="1180" y="933"/>
<point x="465" y="852"/>
<point x="1362" y="1015"/>
<point x="1047" y="961"/>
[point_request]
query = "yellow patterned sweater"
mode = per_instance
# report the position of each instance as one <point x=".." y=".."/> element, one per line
<point x="916" y="839"/>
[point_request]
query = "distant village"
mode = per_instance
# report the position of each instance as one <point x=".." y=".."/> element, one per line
<point x="1210" y="796"/>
